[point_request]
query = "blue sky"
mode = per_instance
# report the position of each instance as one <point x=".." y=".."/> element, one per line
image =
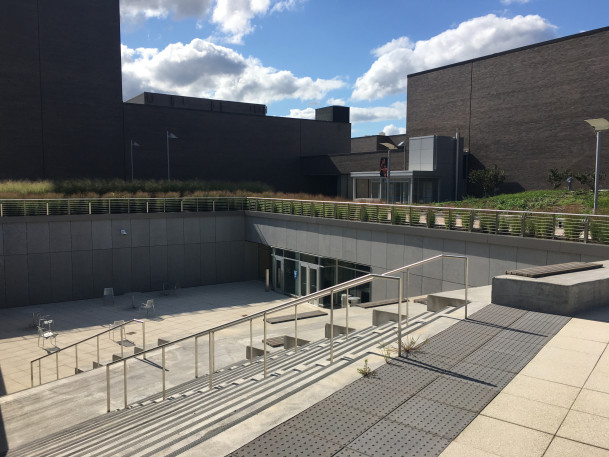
<point x="298" y="55"/>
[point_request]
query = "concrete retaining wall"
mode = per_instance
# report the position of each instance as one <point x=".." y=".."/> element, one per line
<point x="387" y="247"/>
<point x="51" y="259"/>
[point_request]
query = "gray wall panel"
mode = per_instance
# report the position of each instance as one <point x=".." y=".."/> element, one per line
<point x="118" y="239"/>
<point x="101" y="234"/>
<point x="223" y="229"/>
<point x="39" y="278"/>
<point x="349" y="242"/>
<point x="479" y="263"/>
<point x="395" y="251"/>
<point x="61" y="276"/>
<point x="250" y="261"/>
<point x="15" y="239"/>
<point x="82" y="275"/>
<point x="223" y="261"/>
<point x="103" y="272"/>
<point x="16" y="280"/>
<point x="158" y="266"/>
<point x="432" y="247"/>
<point x="140" y="232"/>
<point x="526" y="258"/>
<point x="121" y="270"/>
<point x="2" y="284"/>
<point x="208" y="263"/>
<point x="363" y="247"/>
<point x="237" y="258"/>
<point x="81" y="235"/>
<point x="192" y="230"/>
<point x="60" y="238"/>
<point x="208" y="229"/>
<point x="175" y="263"/>
<point x="175" y="230"/>
<point x="563" y="257"/>
<point x="37" y="237"/>
<point x="158" y="232"/>
<point x="502" y="258"/>
<point x="192" y="264"/>
<point x="378" y="249"/>
<point x="140" y="268"/>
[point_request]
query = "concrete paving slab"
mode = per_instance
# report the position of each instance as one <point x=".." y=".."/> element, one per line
<point x="528" y="413"/>
<point x="456" y="449"/>
<point x="586" y="428"/>
<point x="540" y="390"/>
<point x="504" y="439"/>
<point x="587" y="329"/>
<point x="592" y="402"/>
<point x="577" y="344"/>
<point x="560" y="447"/>
<point x="561" y="365"/>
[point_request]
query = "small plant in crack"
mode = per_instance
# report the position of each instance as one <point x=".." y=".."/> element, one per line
<point x="410" y="345"/>
<point x="386" y="351"/>
<point x="366" y="371"/>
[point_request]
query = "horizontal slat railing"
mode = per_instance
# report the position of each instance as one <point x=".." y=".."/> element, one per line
<point x="580" y="228"/>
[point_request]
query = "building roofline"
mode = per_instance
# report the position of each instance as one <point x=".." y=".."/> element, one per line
<point x="509" y="51"/>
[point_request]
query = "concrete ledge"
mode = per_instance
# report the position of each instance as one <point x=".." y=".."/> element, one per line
<point x="255" y="352"/>
<point x="290" y="342"/>
<point x="162" y="341"/>
<point x="565" y="294"/>
<point x="437" y="302"/>
<point x="338" y="330"/>
<point x="380" y="317"/>
<point x="137" y="350"/>
<point x="116" y="357"/>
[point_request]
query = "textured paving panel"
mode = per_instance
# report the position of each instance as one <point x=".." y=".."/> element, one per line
<point x="418" y="403"/>
<point x="394" y="439"/>
<point x="287" y="441"/>
<point x="432" y="417"/>
<point x="462" y="394"/>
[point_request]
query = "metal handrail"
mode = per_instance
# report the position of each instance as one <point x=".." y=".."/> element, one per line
<point x="345" y="286"/>
<point x="75" y="346"/>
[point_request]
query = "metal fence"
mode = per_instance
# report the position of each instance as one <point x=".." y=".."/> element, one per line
<point x="582" y="228"/>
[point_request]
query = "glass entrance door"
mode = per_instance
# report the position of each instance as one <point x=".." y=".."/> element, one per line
<point x="309" y="279"/>
<point x="278" y="275"/>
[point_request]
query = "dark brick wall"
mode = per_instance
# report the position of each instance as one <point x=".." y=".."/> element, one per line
<point x="20" y="109"/>
<point x="234" y="147"/>
<point x="60" y="89"/>
<point x="527" y="107"/>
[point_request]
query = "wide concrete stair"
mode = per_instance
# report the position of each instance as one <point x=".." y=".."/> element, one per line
<point x="193" y="413"/>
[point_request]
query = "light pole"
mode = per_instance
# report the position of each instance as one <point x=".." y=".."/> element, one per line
<point x="134" y="144"/>
<point x="173" y="137"/>
<point x="389" y="147"/>
<point x="599" y="126"/>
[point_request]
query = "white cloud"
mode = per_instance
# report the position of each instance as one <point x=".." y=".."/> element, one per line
<point x="233" y="18"/>
<point x="509" y="2"/>
<point x="138" y="10"/>
<point x="474" y="38"/>
<point x="204" y="69"/>
<point x="307" y="113"/>
<point x="379" y="113"/>
<point x="394" y="130"/>
<point x="336" y="101"/>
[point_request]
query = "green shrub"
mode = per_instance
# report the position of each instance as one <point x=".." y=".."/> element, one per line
<point x="573" y="226"/>
<point x="599" y="231"/>
<point x="464" y="215"/>
<point x="450" y="219"/>
<point x="487" y="223"/>
<point x="504" y="226"/>
<point x="431" y="218"/>
<point x="415" y="216"/>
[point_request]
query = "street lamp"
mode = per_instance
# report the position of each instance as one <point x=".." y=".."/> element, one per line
<point x="134" y="144"/>
<point x="389" y="147"/>
<point x="599" y="126"/>
<point x="173" y="137"/>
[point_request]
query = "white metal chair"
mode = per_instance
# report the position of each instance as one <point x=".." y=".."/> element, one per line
<point x="149" y="305"/>
<point x="46" y="334"/>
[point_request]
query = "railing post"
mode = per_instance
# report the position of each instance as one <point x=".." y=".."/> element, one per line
<point x="68" y="208"/>
<point x="125" y="382"/>
<point x="522" y="224"/>
<point x="107" y="388"/>
<point x="32" y="373"/>
<point x="97" y="338"/>
<point x="400" y="292"/>
<point x="57" y="363"/>
<point x="252" y="340"/>
<point x="347" y="313"/>
<point x="144" y="338"/>
<point x="554" y="226"/>
<point x="213" y="205"/>
<point x="196" y="356"/>
<point x="76" y="356"/>
<point x="147" y="202"/>
<point x="264" y="342"/>
<point x="497" y="223"/>
<point x="410" y="215"/>
<point x="89" y="208"/>
<point x="466" y="281"/>
<point x="407" y="295"/>
<point x="39" y="372"/>
<point x="47" y="205"/>
<point x="122" y="341"/>
<point x="211" y="362"/>
<point x="1" y="210"/>
<point x="331" y="326"/>
<point x="163" y="366"/>
<point x="296" y="328"/>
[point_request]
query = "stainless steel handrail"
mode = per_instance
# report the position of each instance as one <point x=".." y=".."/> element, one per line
<point x="75" y="346"/>
<point x="295" y="302"/>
